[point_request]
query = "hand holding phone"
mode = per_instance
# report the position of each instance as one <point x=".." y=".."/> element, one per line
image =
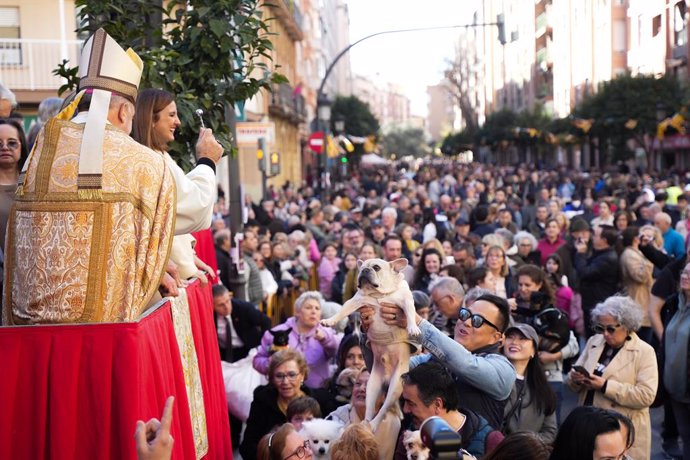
<point x="581" y="370"/>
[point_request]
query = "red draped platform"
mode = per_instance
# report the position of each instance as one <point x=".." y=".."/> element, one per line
<point x="76" y="392"/>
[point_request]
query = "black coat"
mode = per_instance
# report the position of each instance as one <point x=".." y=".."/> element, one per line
<point x="599" y="277"/>
<point x="264" y="414"/>
<point x="224" y="266"/>
<point x="249" y="323"/>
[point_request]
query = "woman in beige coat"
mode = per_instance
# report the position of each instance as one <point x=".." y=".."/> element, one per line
<point x="620" y="370"/>
<point x="636" y="274"/>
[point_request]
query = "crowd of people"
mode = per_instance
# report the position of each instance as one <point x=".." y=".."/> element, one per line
<point x="527" y="283"/>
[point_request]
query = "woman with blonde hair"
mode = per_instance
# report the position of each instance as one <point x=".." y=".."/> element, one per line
<point x="497" y="264"/>
<point x="356" y="443"/>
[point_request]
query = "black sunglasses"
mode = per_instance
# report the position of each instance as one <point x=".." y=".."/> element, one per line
<point x="476" y="320"/>
<point x="611" y="329"/>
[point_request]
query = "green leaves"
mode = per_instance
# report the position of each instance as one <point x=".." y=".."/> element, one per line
<point x="205" y="52"/>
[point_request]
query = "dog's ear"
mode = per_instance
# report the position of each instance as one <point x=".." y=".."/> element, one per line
<point x="360" y="262"/>
<point x="288" y="330"/>
<point x="398" y="265"/>
<point x="272" y="333"/>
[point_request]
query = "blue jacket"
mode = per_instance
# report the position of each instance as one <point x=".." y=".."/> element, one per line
<point x="485" y="377"/>
<point x="674" y="244"/>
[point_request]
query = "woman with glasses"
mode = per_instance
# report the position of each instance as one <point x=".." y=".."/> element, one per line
<point x="287" y="373"/>
<point x="13" y="154"/>
<point x="284" y="444"/>
<point x="617" y="370"/>
<point x="676" y="365"/>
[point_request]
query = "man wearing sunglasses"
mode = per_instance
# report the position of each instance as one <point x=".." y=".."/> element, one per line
<point x="483" y="376"/>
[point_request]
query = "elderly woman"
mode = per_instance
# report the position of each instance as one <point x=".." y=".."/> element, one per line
<point x="617" y="370"/>
<point x="527" y="252"/>
<point x="287" y="372"/>
<point x="13" y="154"/>
<point x="317" y="343"/>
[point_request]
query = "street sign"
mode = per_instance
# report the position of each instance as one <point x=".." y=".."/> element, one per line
<point x="316" y="141"/>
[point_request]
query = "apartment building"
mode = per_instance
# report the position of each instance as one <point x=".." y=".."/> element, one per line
<point x="35" y="36"/>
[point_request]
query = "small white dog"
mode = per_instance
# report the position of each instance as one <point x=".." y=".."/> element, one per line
<point x="383" y="282"/>
<point x="321" y="435"/>
<point x="415" y="448"/>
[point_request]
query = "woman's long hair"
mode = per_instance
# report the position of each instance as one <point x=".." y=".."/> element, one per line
<point x="421" y="271"/>
<point x="150" y="102"/>
<point x="541" y="392"/>
<point x="577" y="436"/>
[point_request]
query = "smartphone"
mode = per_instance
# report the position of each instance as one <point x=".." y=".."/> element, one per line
<point x="581" y="370"/>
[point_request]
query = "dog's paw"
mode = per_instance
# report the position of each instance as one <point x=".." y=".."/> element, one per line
<point x="328" y="322"/>
<point x="413" y="329"/>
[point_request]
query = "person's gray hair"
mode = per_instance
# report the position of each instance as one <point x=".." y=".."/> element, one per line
<point x="8" y="95"/>
<point x="475" y="293"/>
<point x="523" y="235"/>
<point x="493" y="239"/>
<point x="623" y="309"/>
<point x="448" y="284"/>
<point x="308" y="295"/>
<point x="221" y="236"/>
<point x="390" y="211"/>
<point x="297" y="236"/>
<point x="48" y="108"/>
<point x="507" y="236"/>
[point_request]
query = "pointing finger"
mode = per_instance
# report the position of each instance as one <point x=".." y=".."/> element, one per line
<point x="166" y="419"/>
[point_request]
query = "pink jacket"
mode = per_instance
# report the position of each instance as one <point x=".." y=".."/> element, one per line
<point x="316" y="353"/>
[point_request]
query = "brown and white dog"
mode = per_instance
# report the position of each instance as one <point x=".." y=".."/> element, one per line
<point x="383" y="282"/>
<point x="414" y="447"/>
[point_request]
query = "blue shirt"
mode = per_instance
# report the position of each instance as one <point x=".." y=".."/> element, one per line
<point x="674" y="244"/>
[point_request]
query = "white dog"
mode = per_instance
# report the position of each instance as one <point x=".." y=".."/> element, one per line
<point x="321" y="435"/>
<point x="415" y="448"/>
<point x="383" y="282"/>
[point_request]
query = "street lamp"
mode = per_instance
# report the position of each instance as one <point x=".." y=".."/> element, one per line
<point x="660" y="116"/>
<point x="339" y="124"/>
<point x="323" y="111"/>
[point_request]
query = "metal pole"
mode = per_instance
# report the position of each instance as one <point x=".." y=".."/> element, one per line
<point x="234" y="200"/>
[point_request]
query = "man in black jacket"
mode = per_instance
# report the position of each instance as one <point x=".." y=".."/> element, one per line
<point x="598" y="275"/>
<point x="239" y="325"/>
<point x="222" y="243"/>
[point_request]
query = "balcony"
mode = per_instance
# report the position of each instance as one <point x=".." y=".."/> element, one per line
<point x="542" y="25"/>
<point x="27" y="65"/>
<point x="284" y="102"/>
<point x="289" y="14"/>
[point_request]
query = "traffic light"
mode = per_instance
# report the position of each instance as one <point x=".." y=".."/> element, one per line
<point x="260" y="153"/>
<point x="275" y="164"/>
<point x="343" y="159"/>
<point x="501" y="23"/>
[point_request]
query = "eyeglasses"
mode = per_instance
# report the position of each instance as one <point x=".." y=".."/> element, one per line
<point x="685" y="275"/>
<point x="291" y="376"/>
<point x="301" y="451"/>
<point x="476" y="320"/>
<point x="437" y="302"/>
<point x="611" y="329"/>
<point x="11" y="144"/>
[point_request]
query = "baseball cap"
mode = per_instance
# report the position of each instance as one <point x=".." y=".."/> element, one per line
<point x="526" y="330"/>
<point x="376" y="223"/>
<point x="461" y="221"/>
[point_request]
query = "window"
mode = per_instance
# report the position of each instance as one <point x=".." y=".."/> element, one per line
<point x="10" y="53"/>
<point x="619" y="36"/>
<point x="656" y="25"/>
<point x="679" y="26"/>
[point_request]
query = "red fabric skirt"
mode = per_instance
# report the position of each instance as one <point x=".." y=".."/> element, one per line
<point x="76" y="391"/>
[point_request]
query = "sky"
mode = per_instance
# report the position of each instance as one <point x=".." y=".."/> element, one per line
<point x="415" y="59"/>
